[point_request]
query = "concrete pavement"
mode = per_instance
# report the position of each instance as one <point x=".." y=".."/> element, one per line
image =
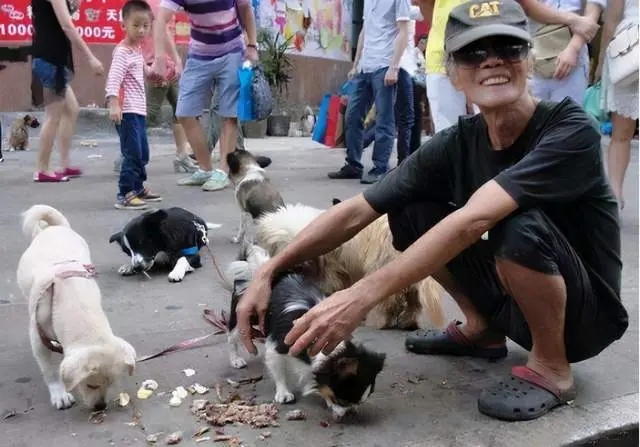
<point x="419" y="401"/>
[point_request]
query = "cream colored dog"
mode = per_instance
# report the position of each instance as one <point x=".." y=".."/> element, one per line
<point x="55" y="274"/>
<point x="372" y="248"/>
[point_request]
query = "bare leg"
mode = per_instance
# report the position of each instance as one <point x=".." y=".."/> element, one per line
<point x="67" y="126"/>
<point x="474" y="322"/>
<point x="198" y="141"/>
<point x="619" y="153"/>
<point x="181" y="140"/>
<point x="227" y="140"/>
<point x="542" y="299"/>
<point x="53" y="116"/>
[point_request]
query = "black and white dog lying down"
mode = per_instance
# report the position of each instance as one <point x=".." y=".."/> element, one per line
<point x="345" y="378"/>
<point x="169" y="237"/>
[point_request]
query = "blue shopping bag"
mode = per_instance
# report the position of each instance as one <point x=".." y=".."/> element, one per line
<point x="321" y="125"/>
<point x="245" y="97"/>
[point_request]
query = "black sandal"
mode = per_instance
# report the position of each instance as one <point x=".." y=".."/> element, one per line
<point x="451" y="341"/>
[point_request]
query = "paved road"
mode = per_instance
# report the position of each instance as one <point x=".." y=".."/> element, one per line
<point x="418" y="400"/>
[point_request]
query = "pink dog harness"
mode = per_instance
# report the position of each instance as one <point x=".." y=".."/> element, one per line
<point x="78" y="270"/>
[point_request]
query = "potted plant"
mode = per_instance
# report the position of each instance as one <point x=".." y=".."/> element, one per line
<point x="277" y="69"/>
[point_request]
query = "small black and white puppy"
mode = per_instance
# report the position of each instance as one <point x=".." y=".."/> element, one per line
<point x="345" y="378"/>
<point x="172" y="237"/>
<point x="255" y="194"/>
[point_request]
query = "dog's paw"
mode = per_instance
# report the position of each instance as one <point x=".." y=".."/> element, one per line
<point x="235" y="239"/>
<point x="284" y="397"/>
<point x="61" y="399"/>
<point x="238" y="362"/>
<point x="126" y="270"/>
<point x="176" y="276"/>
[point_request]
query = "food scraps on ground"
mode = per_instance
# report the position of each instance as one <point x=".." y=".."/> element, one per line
<point x="147" y="388"/>
<point x="257" y="416"/>
<point x="230" y="440"/>
<point x="174" y="438"/>
<point x="97" y="417"/>
<point x="188" y="372"/>
<point x="265" y="434"/>
<point x="124" y="399"/>
<point x="196" y="388"/>
<point x="296" y="415"/>
<point x="180" y="392"/>
<point x="203" y="439"/>
<point x="324" y="424"/>
<point x="153" y="438"/>
<point x="175" y="401"/>
<point x="201" y="432"/>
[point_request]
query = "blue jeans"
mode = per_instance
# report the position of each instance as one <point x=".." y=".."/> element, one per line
<point x="404" y="113"/>
<point x="367" y="88"/>
<point x="135" y="154"/>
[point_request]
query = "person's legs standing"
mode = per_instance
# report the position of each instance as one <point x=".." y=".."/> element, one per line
<point x="228" y="90"/>
<point x="360" y="103"/>
<point x="404" y="113"/>
<point x="385" y="97"/>
<point x="194" y="96"/>
<point x="54" y="109"/>
<point x="130" y="181"/>
<point x="619" y="153"/>
<point x="446" y="103"/>
<point x="67" y="129"/>
<point x="182" y="161"/>
<point x="419" y="94"/>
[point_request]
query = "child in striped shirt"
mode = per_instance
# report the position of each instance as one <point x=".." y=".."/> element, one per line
<point x="128" y="107"/>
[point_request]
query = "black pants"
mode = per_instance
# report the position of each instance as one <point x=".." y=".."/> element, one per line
<point x="419" y="94"/>
<point x="529" y="239"/>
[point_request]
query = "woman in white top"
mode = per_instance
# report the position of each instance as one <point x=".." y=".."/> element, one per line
<point x="621" y="101"/>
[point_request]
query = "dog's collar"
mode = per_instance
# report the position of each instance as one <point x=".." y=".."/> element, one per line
<point x="191" y="251"/>
<point x="78" y="270"/>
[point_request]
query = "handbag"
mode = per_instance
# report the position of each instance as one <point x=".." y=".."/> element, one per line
<point x="321" y="124"/>
<point x="261" y="94"/>
<point x="622" y="54"/>
<point x="548" y="42"/>
<point x="591" y="103"/>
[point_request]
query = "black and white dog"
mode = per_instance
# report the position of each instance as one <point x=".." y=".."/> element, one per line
<point x="171" y="237"/>
<point x="345" y="378"/>
<point x="254" y="192"/>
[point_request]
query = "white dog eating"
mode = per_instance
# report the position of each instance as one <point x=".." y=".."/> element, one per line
<point x="56" y="276"/>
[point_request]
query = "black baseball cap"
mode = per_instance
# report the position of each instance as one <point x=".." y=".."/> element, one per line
<point x="478" y="19"/>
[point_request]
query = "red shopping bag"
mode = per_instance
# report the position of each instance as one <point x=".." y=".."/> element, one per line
<point x="332" y="121"/>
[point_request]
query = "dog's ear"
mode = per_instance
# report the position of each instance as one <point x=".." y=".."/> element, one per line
<point x="127" y="355"/>
<point x="115" y="237"/>
<point x="263" y="161"/>
<point x="336" y="201"/>
<point x="233" y="161"/>
<point x="74" y="369"/>
<point x="27" y="119"/>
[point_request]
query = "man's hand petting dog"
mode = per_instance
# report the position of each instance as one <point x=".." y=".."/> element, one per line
<point x="254" y="302"/>
<point x="328" y="323"/>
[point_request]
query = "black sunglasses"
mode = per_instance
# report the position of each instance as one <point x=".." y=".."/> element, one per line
<point x="474" y="55"/>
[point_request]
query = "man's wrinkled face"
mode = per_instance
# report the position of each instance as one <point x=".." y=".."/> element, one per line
<point x="491" y="72"/>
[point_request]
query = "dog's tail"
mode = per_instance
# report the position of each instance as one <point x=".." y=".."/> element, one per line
<point x="39" y="217"/>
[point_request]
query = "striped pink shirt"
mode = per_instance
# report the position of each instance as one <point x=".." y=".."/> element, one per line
<point x="126" y="79"/>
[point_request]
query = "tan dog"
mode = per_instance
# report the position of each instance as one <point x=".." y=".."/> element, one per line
<point x="416" y="306"/>
<point x="55" y="274"/>
<point x="19" y="135"/>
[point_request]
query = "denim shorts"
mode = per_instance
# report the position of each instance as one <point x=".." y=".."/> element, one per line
<point x="45" y="72"/>
<point x="201" y="76"/>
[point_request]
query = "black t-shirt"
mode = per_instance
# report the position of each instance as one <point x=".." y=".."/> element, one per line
<point x="49" y="40"/>
<point x="555" y="166"/>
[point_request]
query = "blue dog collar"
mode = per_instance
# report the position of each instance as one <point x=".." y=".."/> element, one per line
<point x="190" y="251"/>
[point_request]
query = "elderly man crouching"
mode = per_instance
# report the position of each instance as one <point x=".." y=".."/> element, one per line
<point x="510" y="210"/>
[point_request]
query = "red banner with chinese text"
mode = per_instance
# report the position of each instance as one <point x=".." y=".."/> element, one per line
<point x="97" y="21"/>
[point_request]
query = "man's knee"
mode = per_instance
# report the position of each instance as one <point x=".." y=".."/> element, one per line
<point x="408" y="224"/>
<point x="526" y="239"/>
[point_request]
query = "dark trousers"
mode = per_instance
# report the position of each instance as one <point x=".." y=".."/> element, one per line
<point x="419" y="94"/>
<point x="135" y="153"/>
<point x="531" y="240"/>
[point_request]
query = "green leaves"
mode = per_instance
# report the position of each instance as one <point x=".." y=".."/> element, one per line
<point x="274" y="59"/>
